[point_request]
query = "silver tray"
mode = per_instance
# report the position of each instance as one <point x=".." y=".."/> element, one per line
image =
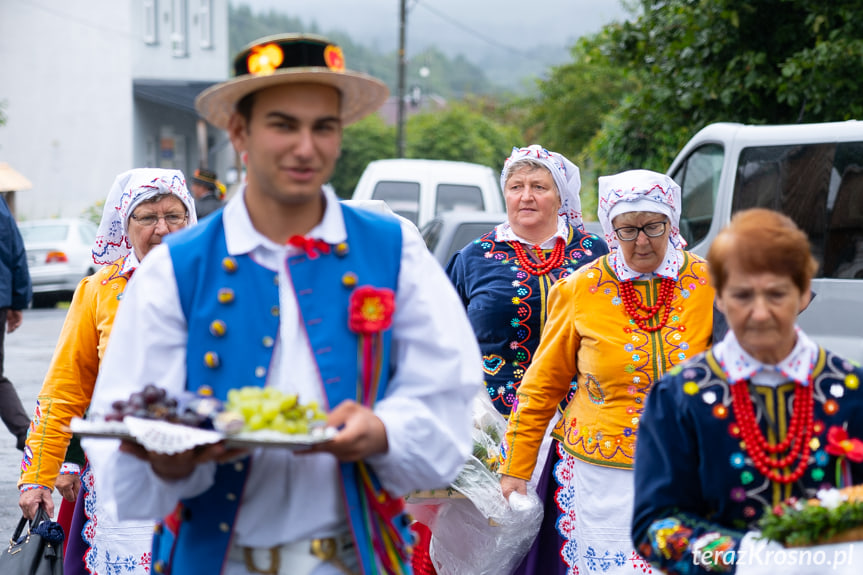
<point x="246" y="439"/>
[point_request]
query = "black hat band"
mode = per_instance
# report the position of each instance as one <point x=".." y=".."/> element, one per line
<point x="275" y="54"/>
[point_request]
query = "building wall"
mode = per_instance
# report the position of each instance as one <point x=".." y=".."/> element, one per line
<point x="66" y="77"/>
<point x="65" y="71"/>
<point x="154" y="53"/>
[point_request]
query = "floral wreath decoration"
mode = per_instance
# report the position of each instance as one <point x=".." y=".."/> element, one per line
<point x="835" y="515"/>
<point x="369" y="315"/>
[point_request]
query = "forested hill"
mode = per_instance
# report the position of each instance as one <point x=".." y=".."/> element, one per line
<point x="461" y="78"/>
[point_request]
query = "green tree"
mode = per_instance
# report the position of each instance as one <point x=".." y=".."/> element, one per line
<point x="93" y="212"/>
<point x="703" y="61"/>
<point x="369" y="139"/>
<point x="461" y="133"/>
<point x="575" y="98"/>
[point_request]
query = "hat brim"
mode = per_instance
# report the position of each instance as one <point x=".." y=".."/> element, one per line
<point x="361" y="94"/>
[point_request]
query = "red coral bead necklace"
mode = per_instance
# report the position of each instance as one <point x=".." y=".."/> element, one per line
<point x="542" y="266"/>
<point x="633" y="306"/>
<point x="765" y="457"/>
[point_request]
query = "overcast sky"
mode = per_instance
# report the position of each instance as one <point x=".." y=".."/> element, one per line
<point x="468" y="24"/>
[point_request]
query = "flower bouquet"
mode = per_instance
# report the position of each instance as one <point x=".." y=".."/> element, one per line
<point x="475" y="530"/>
<point x="479" y="474"/>
<point x="834" y="516"/>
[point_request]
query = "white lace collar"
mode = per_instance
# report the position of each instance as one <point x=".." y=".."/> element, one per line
<point x="738" y="364"/>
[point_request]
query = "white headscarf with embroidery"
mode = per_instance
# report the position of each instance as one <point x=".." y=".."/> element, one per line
<point x="128" y="191"/>
<point x="641" y="191"/>
<point x="566" y="177"/>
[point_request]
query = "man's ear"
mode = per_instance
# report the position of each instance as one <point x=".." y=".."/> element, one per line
<point x="237" y="132"/>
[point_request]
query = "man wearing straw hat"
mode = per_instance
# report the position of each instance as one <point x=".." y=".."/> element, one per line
<point x="208" y="191"/>
<point x="342" y="306"/>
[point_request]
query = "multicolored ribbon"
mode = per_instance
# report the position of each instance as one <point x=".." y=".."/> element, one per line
<point x="370" y="314"/>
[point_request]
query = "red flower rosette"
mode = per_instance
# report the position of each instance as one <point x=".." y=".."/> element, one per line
<point x="371" y="310"/>
<point x="840" y="445"/>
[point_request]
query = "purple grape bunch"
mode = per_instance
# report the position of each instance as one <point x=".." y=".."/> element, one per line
<point x="153" y="402"/>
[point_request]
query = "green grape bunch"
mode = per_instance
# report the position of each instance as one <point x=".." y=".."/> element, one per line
<point x="268" y="408"/>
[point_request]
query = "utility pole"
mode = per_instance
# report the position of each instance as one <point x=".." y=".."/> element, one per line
<point x="400" y="118"/>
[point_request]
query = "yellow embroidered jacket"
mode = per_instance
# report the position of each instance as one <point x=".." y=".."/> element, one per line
<point x="589" y="338"/>
<point x="68" y="386"/>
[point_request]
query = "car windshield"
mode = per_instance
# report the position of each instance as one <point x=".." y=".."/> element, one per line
<point x="402" y="197"/>
<point x="44" y="233"/>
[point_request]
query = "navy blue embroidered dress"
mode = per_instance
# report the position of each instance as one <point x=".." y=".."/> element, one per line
<point x="694" y="482"/>
<point x="506" y="304"/>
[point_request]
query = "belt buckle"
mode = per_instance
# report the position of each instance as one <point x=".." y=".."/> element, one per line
<point x="327" y="550"/>
<point x="324" y="548"/>
<point x="275" y="561"/>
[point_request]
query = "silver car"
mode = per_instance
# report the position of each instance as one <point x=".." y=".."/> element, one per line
<point x="449" y="232"/>
<point x="58" y="255"/>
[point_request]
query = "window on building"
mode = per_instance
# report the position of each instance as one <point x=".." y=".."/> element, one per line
<point x="179" y="38"/>
<point x="205" y="17"/>
<point x="151" y="20"/>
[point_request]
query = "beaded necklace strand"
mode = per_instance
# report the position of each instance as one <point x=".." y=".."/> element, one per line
<point x="796" y="440"/>
<point x="543" y="265"/>
<point x="632" y="305"/>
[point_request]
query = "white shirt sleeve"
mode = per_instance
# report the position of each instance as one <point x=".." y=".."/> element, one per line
<point x="148" y="340"/>
<point x="428" y="406"/>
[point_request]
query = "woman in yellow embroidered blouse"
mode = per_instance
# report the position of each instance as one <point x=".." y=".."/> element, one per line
<point x="615" y="326"/>
<point x="143" y="206"/>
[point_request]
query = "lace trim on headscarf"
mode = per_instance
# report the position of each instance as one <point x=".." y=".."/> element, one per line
<point x="130" y="189"/>
<point x="636" y="186"/>
<point x="566" y="175"/>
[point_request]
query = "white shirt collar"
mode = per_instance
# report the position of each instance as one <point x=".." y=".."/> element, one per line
<point x="670" y="266"/>
<point x="241" y="236"/>
<point x="738" y="364"/>
<point x="130" y="262"/>
<point x="504" y="233"/>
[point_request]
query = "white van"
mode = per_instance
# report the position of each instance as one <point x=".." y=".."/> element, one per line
<point x="420" y="189"/>
<point x="811" y="172"/>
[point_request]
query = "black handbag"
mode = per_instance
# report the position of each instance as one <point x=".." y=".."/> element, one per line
<point x="39" y="551"/>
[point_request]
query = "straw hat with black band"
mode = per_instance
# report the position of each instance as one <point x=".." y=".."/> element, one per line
<point x="292" y="59"/>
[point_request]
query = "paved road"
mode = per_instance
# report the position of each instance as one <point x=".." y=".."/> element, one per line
<point x="28" y="353"/>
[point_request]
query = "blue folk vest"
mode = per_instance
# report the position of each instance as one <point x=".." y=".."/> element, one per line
<point x="231" y="305"/>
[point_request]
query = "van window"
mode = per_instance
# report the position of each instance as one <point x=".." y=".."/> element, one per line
<point x="698" y="178"/>
<point x="458" y="198"/>
<point x="402" y="197"/>
<point x="820" y="186"/>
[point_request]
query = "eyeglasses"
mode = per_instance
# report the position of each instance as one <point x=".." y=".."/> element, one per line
<point x="630" y="233"/>
<point x="151" y="220"/>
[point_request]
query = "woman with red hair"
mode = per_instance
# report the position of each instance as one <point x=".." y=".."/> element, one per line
<point x="765" y="415"/>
